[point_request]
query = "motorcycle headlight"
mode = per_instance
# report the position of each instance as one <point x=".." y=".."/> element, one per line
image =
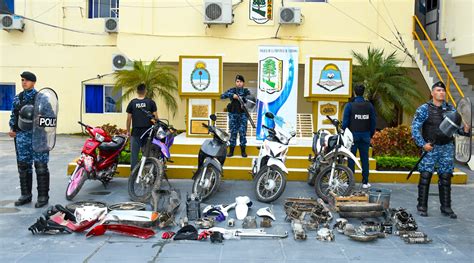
<point x="282" y="138"/>
<point x="160" y="134"/>
<point x="99" y="137"/>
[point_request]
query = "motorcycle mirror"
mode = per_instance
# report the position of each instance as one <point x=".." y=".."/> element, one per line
<point x="269" y="115"/>
<point x="213" y="117"/>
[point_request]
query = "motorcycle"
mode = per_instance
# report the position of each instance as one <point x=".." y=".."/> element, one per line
<point x="151" y="169"/>
<point x="96" y="164"/>
<point x="211" y="159"/>
<point x="269" y="170"/>
<point x="328" y="170"/>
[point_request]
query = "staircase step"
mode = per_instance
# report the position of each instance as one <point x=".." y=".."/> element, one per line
<point x="295" y="174"/>
<point x="239" y="161"/>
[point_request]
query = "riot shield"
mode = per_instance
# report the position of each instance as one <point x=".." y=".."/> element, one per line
<point x="464" y="143"/>
<point x="45" y="120"/>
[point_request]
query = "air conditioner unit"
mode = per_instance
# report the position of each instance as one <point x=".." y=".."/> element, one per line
<point x="11" y="22"/>
<point x="121" y="62"/>
<point x="218" y="12"/>
<point x="290" y="15"/>
<point x="111" y="25"/>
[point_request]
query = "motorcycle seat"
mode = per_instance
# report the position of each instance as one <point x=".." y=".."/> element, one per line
<point x="116" y="143"/>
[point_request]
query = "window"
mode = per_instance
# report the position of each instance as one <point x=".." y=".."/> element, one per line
<point x="432" y="5"/>
<point x="7" y="6"/>
<point x="102" y="99"/>
<point x="103" y="8"/>
<point x="7" y="93"/>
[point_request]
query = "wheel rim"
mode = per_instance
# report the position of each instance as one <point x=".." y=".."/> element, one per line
<point x="270" y="183"/>
<point x="76" y="178"/>
<point x="143" y="187"/>
<point x="340" y="183"/>
<point x="208" y="184"/>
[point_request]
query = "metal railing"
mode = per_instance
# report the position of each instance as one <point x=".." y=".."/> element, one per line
<point x="429" y="53"/>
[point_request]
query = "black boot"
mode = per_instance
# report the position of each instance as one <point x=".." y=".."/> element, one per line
<point x="26" y="181"/>
<point x="423" y="191"/>
<point x="42" y="177"/>
<point x="231" y="151"/>
<point x="444" y="185"/>
<point x="242" y="149"/>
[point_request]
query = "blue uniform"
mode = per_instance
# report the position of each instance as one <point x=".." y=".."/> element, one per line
<point x="24" y="146"/>
<point x="237" y="117"/>
<point x="442" y="156"/>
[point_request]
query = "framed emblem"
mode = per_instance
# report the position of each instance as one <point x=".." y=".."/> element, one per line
<point x="330" y="77"/>
<point x="200" y="76"/>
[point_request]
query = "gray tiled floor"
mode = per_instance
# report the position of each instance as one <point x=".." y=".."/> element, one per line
<point x="453" y="240"/>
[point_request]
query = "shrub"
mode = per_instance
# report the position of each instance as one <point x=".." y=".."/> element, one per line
<point x="396" y="162"/>
<point x="395" y="141"/>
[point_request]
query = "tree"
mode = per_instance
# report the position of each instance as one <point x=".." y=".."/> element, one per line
<point x="269" y="68"/>
<point x="159" y="80"/>
<point x="258" y="3"/>
<point x="387" y="85"/>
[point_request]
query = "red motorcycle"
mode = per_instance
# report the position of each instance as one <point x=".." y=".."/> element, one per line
<point x="98" y="161"/>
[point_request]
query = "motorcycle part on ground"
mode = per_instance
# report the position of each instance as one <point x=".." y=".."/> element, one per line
<point x="370" y="214"/>
<point x="193" y="207"/>
<point x="242" y="206"/>
<point x="340" y="225"/>
<point x="72" y="206"/>
<point x="311" y="225"/>
<point x="413" y="234"/>
<point x="60" y="218"/>
<point x="132" y="217"/>
<point x="45" y="226"/>
<point x="128" y="230"/>
<point x="417" y="240"/>
<point x="360" y="207"/>
<point x="224" y="209"/>
<point x="217" y="237"/>
<point x="90" y="213"/>
<point x="404" y="220"/>
<point x="203" y="235"/>
<point x="325" y="234"/>
<point x="266" y="212"/>
<point x="128" y="206"/>
<point x="218" y="215"/>
<point x="363" y="237"/>
<point x="266" y="222"/>
<point x="349" y="230"/>
<point x="370" y="226"/>
<point x="204" y="223"/>
<point x="166" y="201"/>
<point x="165" y="220"/>
<point x="167" y="235"/>
<point x="298" y="230"/>
<point x="298" y="208"/>
<point x="183" y="221"/>
<point x="249" y="222"/>
<point x="244" y="233"/>
<point x="231" y="222"/>
<point x="387" y="227"/>
<point x="188" y="232"/>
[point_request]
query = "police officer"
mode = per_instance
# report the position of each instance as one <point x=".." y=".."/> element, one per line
<point x="237" y="117"/>
<point x="439" y="148"/>
<point x="359" y="117"/>
<point x="139" y="121"/>
<point x="21" y="125"/>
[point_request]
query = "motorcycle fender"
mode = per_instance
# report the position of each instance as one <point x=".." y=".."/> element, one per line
<point x="209" y="161"/>
<point x="278" y="163"/>
<point x="346" y="153"/>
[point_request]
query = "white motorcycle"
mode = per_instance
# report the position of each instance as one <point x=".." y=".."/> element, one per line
<point x="269" y="170"/>
<point x="328" y="170"/>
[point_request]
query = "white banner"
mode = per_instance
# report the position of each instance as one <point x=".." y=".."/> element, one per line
<point x="277" y="84"/>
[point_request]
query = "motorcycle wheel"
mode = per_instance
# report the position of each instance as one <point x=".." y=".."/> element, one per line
<point x="342" y="185"/>
<point x="270" y="183"/>
<point x="141" y="191"/>
<point x="211" y="182"/>
<point x="76" y="182"/>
